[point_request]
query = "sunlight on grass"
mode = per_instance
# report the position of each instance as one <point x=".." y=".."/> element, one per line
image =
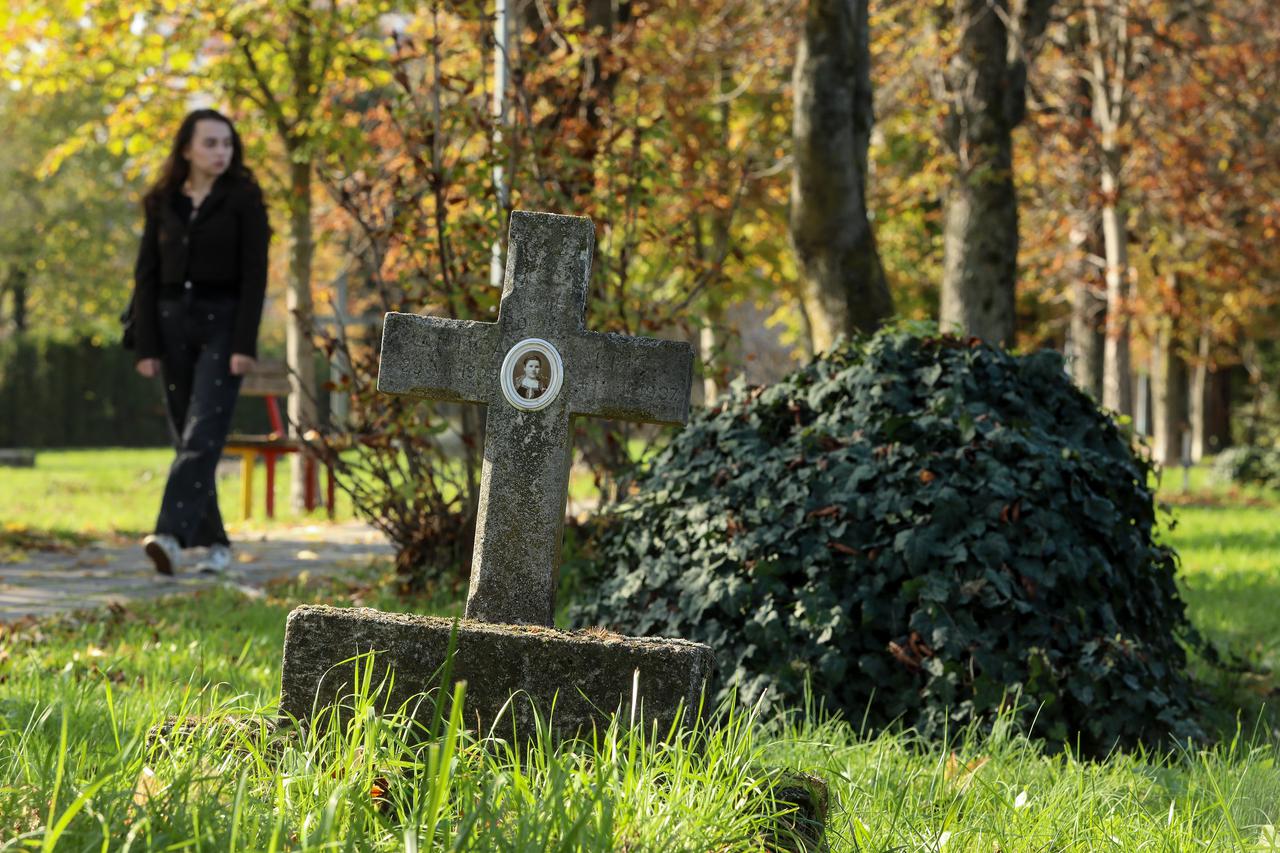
<point x="76" y="767"/>
<point x="78" y="695"/>
<point x="118" y="491"/>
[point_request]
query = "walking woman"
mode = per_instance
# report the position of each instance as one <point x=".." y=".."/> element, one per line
<point x="198" y="290"/>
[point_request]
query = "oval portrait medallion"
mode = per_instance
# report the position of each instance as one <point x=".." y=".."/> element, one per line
<point x="531" y="374"/>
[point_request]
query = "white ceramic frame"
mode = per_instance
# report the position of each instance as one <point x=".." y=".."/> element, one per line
<point x="548" y="352"/>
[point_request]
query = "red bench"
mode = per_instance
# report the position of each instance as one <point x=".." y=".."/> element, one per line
<point x="270" y="380"/>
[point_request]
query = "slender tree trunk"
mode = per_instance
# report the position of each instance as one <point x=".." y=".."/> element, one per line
<point x="18" y="293"/>
<point x="1170" y="392"/>
<point x="1210" y="403"/>
<point x="602" y="18"/>
<point x="1141" y="385"/>
<point x="1088" y="291"/>
<point x="712" y="246"/>
<point x="1110" y="58"/>
<point x="299" y="350"/>
<point x="843" y="281"/>
<point x="1117" y="388"/>
<point x="1199" y="398"/>
<point x="1218" y="410"/>
<point x="1088" y="309"/>
<point x="708" y="344"/>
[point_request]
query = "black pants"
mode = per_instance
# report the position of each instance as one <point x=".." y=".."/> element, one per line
<point x="200" y="395"/>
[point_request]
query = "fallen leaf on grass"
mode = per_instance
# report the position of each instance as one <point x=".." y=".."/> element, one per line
<point x="961" y="775"/>
<point x="148" y="786"/>
<point x="245" y="557"/>
<point x="308" y="555"/>
<point x="378" y="793"/>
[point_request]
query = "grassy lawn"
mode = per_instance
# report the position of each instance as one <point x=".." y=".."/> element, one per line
<point x="76" y="773"/>
<point x="78" y="694"/>
<point x="1229" y="544"/>
<point x="117" y="491"/>
<point x="77" y="494"/>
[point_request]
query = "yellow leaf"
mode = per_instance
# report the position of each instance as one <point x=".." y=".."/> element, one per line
<point x="146" y="788"/>
<point x="961" y="775"/>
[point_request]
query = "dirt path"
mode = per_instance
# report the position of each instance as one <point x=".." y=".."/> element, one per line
<point x="46" y="582"/>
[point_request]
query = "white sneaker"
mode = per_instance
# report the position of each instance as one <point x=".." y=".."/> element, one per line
<point x="164" y="551"/>
<point x="216" y="561"/>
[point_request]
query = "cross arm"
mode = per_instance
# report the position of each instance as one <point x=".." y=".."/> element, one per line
<point x="630" y="378"/>
<point x="436" y="358"/>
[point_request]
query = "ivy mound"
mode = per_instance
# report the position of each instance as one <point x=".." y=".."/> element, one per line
<point x="927" y="529"/>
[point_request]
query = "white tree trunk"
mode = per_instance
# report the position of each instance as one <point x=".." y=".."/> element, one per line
<point x="1117" y="390"/>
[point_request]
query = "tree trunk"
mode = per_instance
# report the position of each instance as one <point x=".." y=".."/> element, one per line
<point x="707" y="346"/>
<point x="1170" y="393"/>
<point x="980" y="240"/>
<point x="1210" y="404"/>
<point x="18" y="292"/>
<point x="299" y="352"/>
<point x="1218" y="410"/>
<point x="1199" y="398"/>
<point x="1141" y="385"/>
<point x="1088" y="310"/>
<point x="1088" y="291"/>
<point x="984" y="86"/>
<point x="843" y="282"/>
<point x="1117" y="391"/>
<point x="1109" y="58"/>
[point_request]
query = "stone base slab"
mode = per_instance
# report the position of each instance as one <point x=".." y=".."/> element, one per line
<point x="589" y="674"/>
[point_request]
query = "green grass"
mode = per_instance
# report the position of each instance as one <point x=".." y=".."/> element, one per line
<point x="78" y="694"/>
<point x="118" y="491"/>
<point x="1228" y="543"/>
<point x="1231" y="557"/>
<point x="76" y="772"/>
<point x="71" y="495"/>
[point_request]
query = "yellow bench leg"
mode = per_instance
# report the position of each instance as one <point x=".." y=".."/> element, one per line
<point x="246" y="484"/>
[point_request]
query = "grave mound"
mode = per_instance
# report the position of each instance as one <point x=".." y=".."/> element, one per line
<point x="925" y="528"/>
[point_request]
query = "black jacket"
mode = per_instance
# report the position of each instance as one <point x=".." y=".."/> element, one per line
<point x="223" y="252"/>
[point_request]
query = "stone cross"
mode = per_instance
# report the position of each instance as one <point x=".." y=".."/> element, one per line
<point x="535" y="369"/>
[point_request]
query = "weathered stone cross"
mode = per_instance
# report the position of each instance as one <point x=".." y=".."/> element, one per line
<point x="535" y="369"/>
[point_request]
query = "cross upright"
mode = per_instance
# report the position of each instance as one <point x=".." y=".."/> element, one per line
<point x="535" y="369"/>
